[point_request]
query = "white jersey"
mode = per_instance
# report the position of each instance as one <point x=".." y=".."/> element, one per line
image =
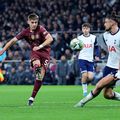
<point x="88" y="50"/>
<point x="113" y="43"/>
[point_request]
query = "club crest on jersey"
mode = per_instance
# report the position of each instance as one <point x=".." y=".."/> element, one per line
<point x="88" y="45"/>
<point x="37" y="36"/>
<point x="111" y="49"/>
<point x="33" y="37"/>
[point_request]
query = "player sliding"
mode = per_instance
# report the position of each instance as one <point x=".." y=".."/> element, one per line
<point x="111" y="71"/>
<point x="39" y="40"/>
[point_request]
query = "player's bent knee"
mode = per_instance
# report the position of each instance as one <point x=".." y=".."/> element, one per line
<point x="38" y="74"/>
<point x="108" y="96"/>
<point x="84" y="76"/>
<point x="90" y="78"/>
<point x="90" y="75"/>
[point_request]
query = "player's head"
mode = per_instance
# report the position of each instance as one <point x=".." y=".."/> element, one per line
<point x="86" y="28"/>
<point x="33" y="20"/>
<point x="110" y="21"/>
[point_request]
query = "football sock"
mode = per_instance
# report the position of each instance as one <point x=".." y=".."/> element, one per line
<point x="84" y="86"/>
<point x="87" y="98"/>
<point x="116" y="96"/>
<point x="36" y="88"/>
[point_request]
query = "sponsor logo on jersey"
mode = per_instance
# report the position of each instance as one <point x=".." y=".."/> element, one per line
<point x="87" y="45"/>
<point x="111" y="49"/>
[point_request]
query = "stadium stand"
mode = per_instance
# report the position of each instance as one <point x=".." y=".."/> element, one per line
<point x="62" y="18"/>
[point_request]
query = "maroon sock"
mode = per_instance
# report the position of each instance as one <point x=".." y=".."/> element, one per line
<point x="36" y="88"/>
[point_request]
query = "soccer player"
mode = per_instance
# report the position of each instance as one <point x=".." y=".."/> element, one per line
<point x="111" y="71"/>
<point x="39" y="40"/>
<point x="86" y="56"/>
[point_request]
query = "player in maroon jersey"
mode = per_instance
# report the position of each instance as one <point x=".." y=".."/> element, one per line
<point x="39" y="40"/>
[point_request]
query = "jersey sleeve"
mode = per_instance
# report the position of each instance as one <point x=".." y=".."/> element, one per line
<point x="44" y="32"/>
<point x="103" y="37"/>
<point x="21" y="35"/>
<point x="96" y="48"/>
<point x="95" y="43"/>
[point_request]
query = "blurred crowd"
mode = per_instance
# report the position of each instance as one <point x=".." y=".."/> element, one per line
<point x="60" y="72"/>
<point x="63" y="19"/>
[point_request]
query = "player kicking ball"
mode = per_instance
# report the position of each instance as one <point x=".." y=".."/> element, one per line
<point x="39" y="40"/>
<point x="111" y="71"/>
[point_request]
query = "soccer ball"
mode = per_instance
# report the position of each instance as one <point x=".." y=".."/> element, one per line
<point x="76" y="44"/>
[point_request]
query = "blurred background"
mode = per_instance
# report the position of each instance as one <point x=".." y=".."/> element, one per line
<point x="63" y="19"/>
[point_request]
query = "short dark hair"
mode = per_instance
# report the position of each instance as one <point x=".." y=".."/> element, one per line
<point x="86" y="25"/>
<point x="33" y="16"/>
<point x="114" y="17"/>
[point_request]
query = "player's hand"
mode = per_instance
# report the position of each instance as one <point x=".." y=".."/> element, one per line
<point x="1" y="52"/>
<point x="36" y="48"/>
<point x="117" y="75"/>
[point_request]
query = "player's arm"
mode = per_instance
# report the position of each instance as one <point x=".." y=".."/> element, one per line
<point x="48" y="40"/>
<point x="97" y="50"/>
<point x="8" y="45"/>
<point x="13" y="41"/>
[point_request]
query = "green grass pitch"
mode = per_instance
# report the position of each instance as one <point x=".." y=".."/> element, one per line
<point x="54" y="103"/>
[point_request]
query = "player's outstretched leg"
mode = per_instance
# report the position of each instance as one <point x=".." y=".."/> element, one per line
<point x="82" y="102"/>
<point x="99" y="86"/>
<point x="36" y="88"/>
<point x="90" y="96"/>
<point x="37" y="85"/>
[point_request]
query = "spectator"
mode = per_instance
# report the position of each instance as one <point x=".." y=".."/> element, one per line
<point x="57" y="16"/>
<point x="62" y="71"/>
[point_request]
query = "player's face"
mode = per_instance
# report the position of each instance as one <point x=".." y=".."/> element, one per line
<point x="85" y="30"/>
<point x="108" y="24"/>
<point x="33" y="24"/>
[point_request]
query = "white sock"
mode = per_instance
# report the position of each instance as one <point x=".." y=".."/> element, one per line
<point x="84" y="86"/>
<point x="31" y="98"/>
<point x="116" y="96"/>
<point x="87" y="98"/>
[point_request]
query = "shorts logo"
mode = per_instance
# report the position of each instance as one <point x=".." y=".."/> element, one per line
<point x="46" y="63"/>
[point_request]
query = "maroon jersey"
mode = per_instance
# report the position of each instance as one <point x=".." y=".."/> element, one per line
<point x="35" y="38"/>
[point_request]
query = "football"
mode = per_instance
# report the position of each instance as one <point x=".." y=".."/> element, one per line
<point x="76" y="44"/>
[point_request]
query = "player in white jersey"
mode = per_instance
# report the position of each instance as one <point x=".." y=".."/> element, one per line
<point x="111" y="71"/>
<point x="86" y="56"/>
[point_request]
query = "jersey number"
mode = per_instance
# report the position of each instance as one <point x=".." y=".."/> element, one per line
<point x="46" y="63"/>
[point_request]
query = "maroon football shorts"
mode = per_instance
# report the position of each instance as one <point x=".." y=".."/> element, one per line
<point x="43" y="57"/>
